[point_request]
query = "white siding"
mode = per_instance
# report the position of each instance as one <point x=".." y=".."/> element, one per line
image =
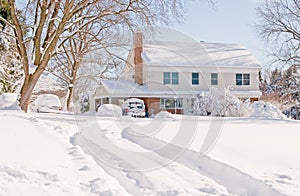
<point x="226" y="77"/>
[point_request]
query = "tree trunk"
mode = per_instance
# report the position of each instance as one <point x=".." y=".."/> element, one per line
<point x="75" y="68"/>
<point x="70" y="95"/>
<point x="27" y="89"/>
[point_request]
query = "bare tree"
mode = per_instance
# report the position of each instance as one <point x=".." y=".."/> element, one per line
<point x="95" y="66"/>
<point x="48" y="23"/>
<point x="279" y="25"/>
<point x="69" y="57"/>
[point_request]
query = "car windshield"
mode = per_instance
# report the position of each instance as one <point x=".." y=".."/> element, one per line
<point x="135" y="105"/>
<point x="139" y="106"/>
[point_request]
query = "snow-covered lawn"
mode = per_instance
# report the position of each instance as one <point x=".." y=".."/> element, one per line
<point x="265" y="149"/>
<point x="60" y="154"/>
<point x="38" y="159"/>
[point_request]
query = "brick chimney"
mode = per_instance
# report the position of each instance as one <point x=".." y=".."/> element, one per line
<point x="138" y="60"/>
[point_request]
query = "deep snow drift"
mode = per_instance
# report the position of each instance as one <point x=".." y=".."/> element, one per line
<point x="62" y="154"/>
<point x="37" y="159"/>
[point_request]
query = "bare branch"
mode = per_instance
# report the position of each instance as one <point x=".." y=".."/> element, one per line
<point x="279" y="26"/>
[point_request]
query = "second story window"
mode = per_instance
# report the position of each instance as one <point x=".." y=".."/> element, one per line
<point x="167" y="78"/>
<point x="175" y="78"/>
<point x="242" y="79"/>
<point x="195" y="78"/>
<point x="171" y="78"/>
<point x="214" y="79"/>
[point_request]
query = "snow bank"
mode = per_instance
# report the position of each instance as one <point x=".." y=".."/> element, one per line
<point x="37" y="158"/>
<point x="262" y="109"/>
<point x="109" y="110"/>
<point x="164" y="115"/>
<point x="88" y="113"/>
<point x="9" y="101"/>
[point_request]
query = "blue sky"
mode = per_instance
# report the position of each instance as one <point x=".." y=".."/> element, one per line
<point x="230" y="21"/>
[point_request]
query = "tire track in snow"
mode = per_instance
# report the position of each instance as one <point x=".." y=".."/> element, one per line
<point x="125" y="167"/>
<point x="98" y="146"/>
<point x="234" y="180"/>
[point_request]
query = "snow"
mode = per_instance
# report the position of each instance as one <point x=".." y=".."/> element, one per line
<point x="63" y="154"/>
<point x="263" y="151"/>
<point x="11" y="74"/>
<point x="165" y="116"/>
<point x="235" y="181"/>
<point x="46" y="103"/>
<point x="9" y="101"/>
<point x="127" y="88"/>
<point x="261" y="109"/>
<point x="139" y="171"/>
<point x="38" y="159"/>
<point x="109" y="110"/>
<point x="200" y="54"/>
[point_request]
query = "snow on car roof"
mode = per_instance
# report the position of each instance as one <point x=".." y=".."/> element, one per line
<point x="134" y="100"/>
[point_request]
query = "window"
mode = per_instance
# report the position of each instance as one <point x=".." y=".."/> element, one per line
<point x="214" y="78"/>
<point x="239" y="79"/>
<point x="169" y="103"/>
<point x="246" y="79"/>
<point x="168" y="79"/>
<point x="195" y="78"/>
<point x="175" y="78"/>
<point x="242" y="79"/>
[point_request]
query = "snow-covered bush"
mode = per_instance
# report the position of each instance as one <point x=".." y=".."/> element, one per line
<point x="109" y="110"/>
<point x="261" y="109"/>
<point x="201" y="104"/>
<point x="219" y="102"/>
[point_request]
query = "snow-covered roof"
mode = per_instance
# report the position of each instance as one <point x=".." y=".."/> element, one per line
<point x="127" y="88"/>
<point x="200" y="54"/>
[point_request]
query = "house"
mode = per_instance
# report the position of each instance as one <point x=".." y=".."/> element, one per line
<point x="167" y="74"/>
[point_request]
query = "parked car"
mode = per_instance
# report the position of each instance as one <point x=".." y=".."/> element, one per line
<point x="134" y="107"/>
<point x="47" y="103"/>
